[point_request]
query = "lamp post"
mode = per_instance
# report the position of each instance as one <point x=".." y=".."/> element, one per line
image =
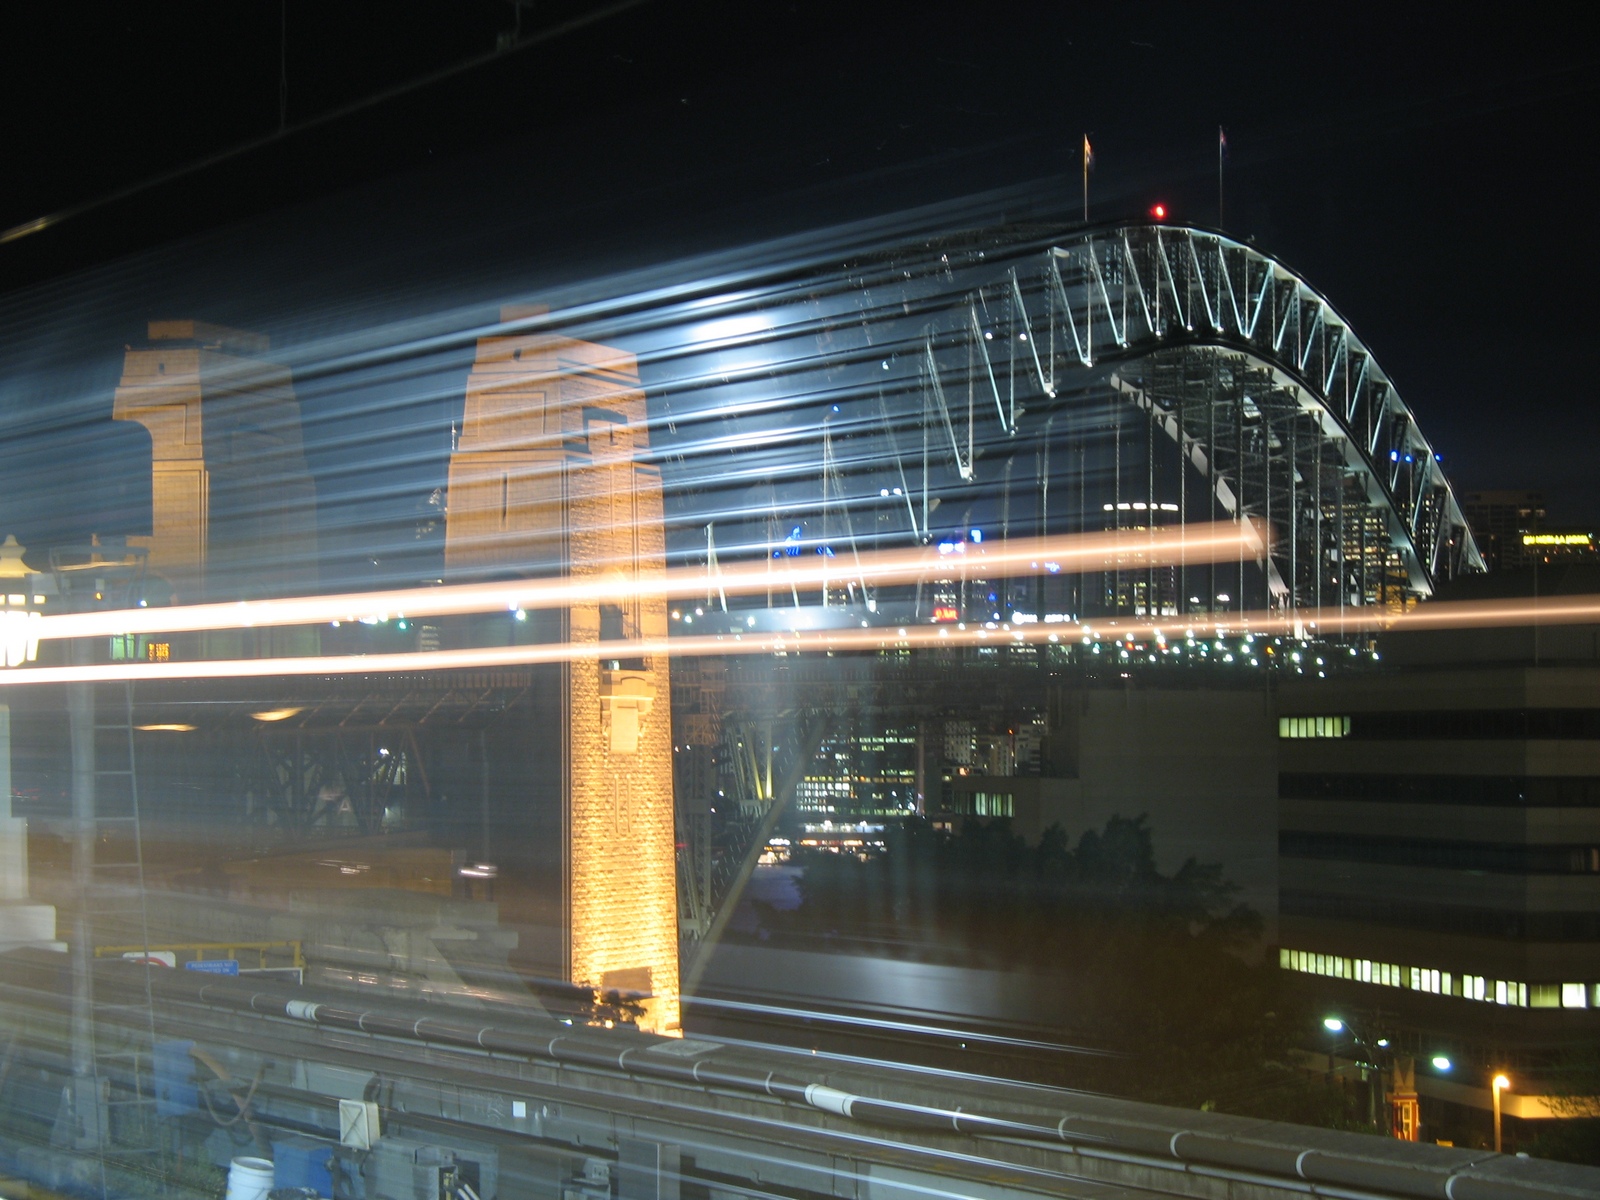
<point x="1369" y="1053"/>
<point x="1499" y="1084"/>
<point x="87" y="578"/>
<point x="22" y="595"/>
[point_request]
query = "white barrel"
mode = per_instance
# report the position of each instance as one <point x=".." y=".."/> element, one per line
<point x="249" y="1179"/>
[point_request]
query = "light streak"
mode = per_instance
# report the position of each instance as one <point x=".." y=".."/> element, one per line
<point x="1198" y="544"/>
<point x="894" y="1026"/>
<point x="1576" y="610"/>
<point x="277" y="714"/>
<point x="1334" y="622"/>
<point x="504" y="656"/>
<point x="1085" y="552"/>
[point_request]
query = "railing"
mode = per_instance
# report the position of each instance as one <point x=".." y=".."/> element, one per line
<point x="217" y="950"/>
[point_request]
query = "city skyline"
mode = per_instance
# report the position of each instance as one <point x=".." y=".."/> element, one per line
<point x="649" y="601"/>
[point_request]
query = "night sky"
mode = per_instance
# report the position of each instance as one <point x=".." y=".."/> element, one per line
<point x="1428" y="171"/>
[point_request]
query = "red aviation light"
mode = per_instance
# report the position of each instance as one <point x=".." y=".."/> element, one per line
<point x="1158" y="211"/>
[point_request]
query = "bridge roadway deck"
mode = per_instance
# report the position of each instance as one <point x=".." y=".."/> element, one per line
<point x="762" y="1121"/>
<point x="469" y="699"/>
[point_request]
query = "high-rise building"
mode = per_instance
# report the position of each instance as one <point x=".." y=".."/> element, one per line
<point x="1551" y="546"/>
<point x="1440" y="834"/>
<point x="1195" y="762"/>
<point x="1499" y="519"/>
<point x="862" y="773"/>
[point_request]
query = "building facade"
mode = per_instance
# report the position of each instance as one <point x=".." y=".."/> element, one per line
<point x="1500" y="519"/>
<point x="1440" y="847"/>
<point x="1196" y="762"/>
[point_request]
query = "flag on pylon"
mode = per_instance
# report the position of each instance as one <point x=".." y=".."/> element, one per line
<point x="1222" y="154"/>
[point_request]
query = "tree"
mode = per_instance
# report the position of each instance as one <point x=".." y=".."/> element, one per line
<point x="1155" y="968"/>
<point x="1573" y="1086"/>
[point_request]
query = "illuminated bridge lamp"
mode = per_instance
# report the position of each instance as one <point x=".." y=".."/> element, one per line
<point x="276" y="714"/>
<point x="1441" y="1062"/>
<point x="1333" y="1024"/>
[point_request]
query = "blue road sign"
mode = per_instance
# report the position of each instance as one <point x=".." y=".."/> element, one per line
<point x="214" y="966"/>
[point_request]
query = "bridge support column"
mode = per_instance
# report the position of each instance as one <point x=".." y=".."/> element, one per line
<point x="546" y="481"/>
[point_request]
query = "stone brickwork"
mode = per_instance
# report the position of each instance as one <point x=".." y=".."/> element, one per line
<point x="545" y="482"/>
<point x="233" y="506"/>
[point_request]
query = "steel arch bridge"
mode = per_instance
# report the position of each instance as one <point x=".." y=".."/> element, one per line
<point x="1122" y="376"/>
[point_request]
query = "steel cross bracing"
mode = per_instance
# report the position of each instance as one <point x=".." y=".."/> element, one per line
<point x="1217" y="377"/>
<point x="1190" y="322"/>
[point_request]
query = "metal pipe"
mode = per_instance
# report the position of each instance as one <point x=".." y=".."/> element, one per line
<point x="80" y="724"/>
<point x="1284" y="1162"/>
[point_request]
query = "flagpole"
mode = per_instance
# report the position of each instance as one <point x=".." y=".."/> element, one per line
<point x="1087" y="154"/>
<point x="1222" y="145"/>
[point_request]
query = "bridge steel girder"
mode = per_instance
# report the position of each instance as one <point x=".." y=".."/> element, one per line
<point x="1144" y="301"/>
<point x="917" y="373"/>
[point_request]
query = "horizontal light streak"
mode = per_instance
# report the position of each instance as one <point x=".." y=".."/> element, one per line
<point x="883" y="1024"/>
<point x="1088" y="552"/>
<point x="1556" y="610"/>
<point x="1333" y="622"/>
<point x="1197" y="544"/>
<point x="846" y="640"/>
<point x="810" y="642"/>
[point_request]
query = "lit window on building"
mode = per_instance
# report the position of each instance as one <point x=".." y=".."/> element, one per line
<point x="1313" y="727"/>
<point x="986" y="804"/>
<point x="1505" y="992"/>
<point x="868" y="774"/>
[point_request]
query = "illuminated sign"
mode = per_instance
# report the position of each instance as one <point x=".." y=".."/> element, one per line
<point x="945" y="612"/>
<point x="213" y="966"/>
<point x="19" y="637"/>
<point x="158" y="652"/>
<point x="1558" y="539"/>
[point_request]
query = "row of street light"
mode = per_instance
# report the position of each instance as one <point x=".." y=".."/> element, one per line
<point x="1441" y="1063"/>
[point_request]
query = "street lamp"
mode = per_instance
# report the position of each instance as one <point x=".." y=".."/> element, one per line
<point x="1368" y="1058"/>
<point x="1499" y="1084"/>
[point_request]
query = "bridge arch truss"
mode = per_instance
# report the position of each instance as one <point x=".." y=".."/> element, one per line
<point x="1269" y="399"/>
<point x="1123" y="376"/>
